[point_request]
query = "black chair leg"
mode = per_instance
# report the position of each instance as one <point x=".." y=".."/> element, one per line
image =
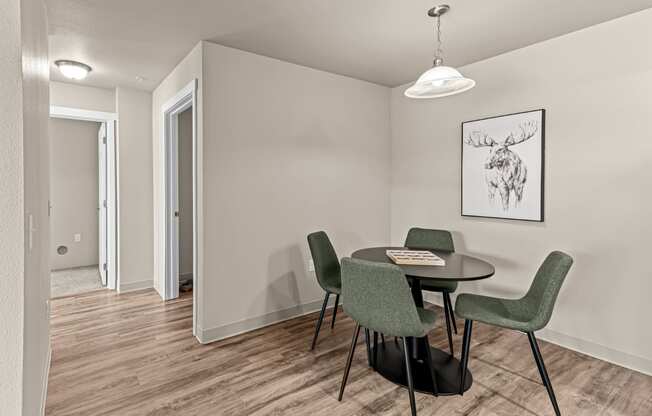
<point x="375" y="354"/>
<point x="321" y="319"/>
<point x="337" y="302"/>
<point x="542" y="371"/>
<point x="450" y="310"/>
<point x="448" y="325"/>
<point x="466" y="350"/>
<point x="356" y="331"/>
<point x="408" y="370"/>
<point x="367" y="339"/>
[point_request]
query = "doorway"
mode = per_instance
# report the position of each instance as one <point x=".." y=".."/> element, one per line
<point x="177" y="205"/>
<point x="83" y="200"/>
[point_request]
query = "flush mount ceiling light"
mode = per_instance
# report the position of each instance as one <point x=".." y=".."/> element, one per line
<point x="440" y="80"/>
<point x="73" y="69"/>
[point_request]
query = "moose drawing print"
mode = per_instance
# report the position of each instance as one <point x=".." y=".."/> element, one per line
<point x="502" y="166"/>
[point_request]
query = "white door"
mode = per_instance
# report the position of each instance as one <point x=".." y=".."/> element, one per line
<point x="102" y="202"/>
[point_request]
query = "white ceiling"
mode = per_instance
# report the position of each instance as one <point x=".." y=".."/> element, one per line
<point x="389" y="42"/>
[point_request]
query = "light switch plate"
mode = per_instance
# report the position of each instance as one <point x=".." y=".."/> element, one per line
<point x="77" y="238"/>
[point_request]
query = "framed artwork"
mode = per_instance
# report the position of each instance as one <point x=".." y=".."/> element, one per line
<point x="502" y="166"/>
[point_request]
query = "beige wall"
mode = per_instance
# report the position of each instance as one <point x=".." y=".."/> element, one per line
<point x="284" y="154"/>
<point x="189" y="69"/>
<point x="596" y="87"/>
<point x="24" y="268"/>
<point x="82" y="96"/>
<point x="74" y="182"/>
<point x="12" y="238"/>
<point x="185" y="194"/>
<point x="36" y="150"/>
<point x="135" y="216"/>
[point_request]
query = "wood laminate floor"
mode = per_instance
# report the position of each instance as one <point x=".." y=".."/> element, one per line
<point x="132" y="354"/>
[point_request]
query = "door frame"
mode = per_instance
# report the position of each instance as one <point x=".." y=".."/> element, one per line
<point x="71" y="113"/>
<point x="168" y="202"/>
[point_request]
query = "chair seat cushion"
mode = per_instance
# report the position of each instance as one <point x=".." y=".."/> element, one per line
<point x="506" y="313"/>
<point x="428" y="319"/>
<point x="439" y="286"/>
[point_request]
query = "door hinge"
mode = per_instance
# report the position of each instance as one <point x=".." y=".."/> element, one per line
<point x="104" y="204"/>
<point x="104" y="266"/>
<point x="176" y="214"/>
<point x="104" y="140"/>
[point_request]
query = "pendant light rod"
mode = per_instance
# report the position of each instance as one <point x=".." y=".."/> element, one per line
<point x="437" y="12"/>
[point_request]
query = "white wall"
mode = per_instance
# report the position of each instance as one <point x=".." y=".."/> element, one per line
<point x="596" y="87"/>
<point x="185" y="194"/>
<point x="189" y="69"/>
<point x="135" y="216"/>
<point x="74" y="182"/>
<point x="24" y="268"/>
<point x="82" y="96"/>
<point x="284" y="154"/>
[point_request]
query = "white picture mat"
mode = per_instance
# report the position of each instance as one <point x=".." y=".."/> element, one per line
<point x="475" y="191"/>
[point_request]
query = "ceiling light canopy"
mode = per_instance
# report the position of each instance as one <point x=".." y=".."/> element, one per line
<point x="440" y="80"/>
<point x="73" y="69"/>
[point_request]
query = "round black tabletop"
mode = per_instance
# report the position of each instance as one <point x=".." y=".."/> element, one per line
<point x="459" y="267"/>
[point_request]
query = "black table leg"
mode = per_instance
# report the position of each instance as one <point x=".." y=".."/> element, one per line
<point x="427" y="363"/>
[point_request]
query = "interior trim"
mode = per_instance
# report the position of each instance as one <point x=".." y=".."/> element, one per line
<point x="46" y="377"/>
<point x="217" y="333"/>
<point x="139" y="285"/>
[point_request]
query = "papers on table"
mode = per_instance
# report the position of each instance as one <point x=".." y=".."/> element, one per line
<point x="415" y="257"/>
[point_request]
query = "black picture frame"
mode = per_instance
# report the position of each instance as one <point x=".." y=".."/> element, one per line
<point x="543" y="169"/>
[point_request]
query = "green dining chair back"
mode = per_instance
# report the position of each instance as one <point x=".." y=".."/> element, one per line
<point x="378" y="297"/>
<point x="327" y="265"/>
<point x="427" y="239"/>
<point x="541" y="298"/>
<point x="528" y="314"/>
<point x="438" y="240"/>
<point x="327" y="271"/>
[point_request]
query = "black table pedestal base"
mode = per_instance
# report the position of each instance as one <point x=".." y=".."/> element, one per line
<point x="389" y="364"/>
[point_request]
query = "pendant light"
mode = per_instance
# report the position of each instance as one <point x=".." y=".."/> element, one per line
<point x="440" y="80"/>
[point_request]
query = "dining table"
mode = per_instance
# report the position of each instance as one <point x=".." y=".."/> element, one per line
<point x="386" y="357"/>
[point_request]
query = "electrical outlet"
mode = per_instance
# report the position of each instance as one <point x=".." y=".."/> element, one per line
<point x="77" y="238"/>
<point x="311" y="265"/>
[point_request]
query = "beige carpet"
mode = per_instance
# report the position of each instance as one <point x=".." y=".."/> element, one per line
<point x="68" y="282"/>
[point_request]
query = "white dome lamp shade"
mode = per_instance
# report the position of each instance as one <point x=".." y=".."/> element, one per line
<point x="73" y="69"/>
<point x="440" y="80"/>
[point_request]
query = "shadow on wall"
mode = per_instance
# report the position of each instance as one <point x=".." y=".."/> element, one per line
<point x="284" y="268"/>
<point x="492" y="284"/>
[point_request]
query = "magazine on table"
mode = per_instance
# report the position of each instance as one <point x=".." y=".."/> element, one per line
<point x="415" y="257"/>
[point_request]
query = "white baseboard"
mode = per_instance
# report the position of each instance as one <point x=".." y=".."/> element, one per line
<point x="592" y="349"/>
<point x="623" y="359"/>
<point x="139" y="285"/>
<point x="46" y="376"/>
<point x="209" y="335"/>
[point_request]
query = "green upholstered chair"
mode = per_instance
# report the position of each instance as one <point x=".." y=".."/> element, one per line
<point x="438" y="240"/>
<point x="527" y="314"/>
<point x="378" y="298"/>
<point x="327" y="269"/>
